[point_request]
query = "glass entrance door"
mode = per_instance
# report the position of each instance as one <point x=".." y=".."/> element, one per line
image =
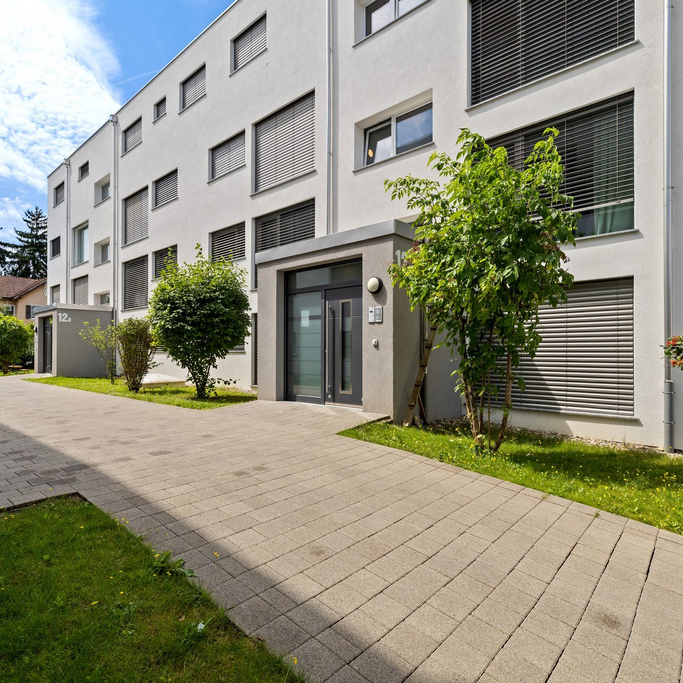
<point x="304" y="346"/>
<point x="47" y="344"/>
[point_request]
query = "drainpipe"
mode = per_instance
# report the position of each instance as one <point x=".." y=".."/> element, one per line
<point x="114" y="187"/>
<point x="669" y="445"/>
<point x="328" y="89"/>
<point x="67" y="260"/>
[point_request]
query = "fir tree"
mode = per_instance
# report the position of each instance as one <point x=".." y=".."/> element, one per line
<point x="28" y="256"/>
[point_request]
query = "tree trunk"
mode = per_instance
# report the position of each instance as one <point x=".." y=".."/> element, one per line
<point x="507" y="404"/>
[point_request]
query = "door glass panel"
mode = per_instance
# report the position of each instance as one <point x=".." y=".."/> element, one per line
<point x="346" y="324"/>
<point x="304" y="345"/>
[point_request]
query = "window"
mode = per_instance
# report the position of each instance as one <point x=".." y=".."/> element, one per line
<point x="285" y="144"/>
<point x="228" y="243"/>
<point x="193" y="88"/>
<point x="55" y="247"/>
<point x="59" y="194"/>
<point x="379" y="13"/>
<point x="135" y="283"/>
<point x="54" y="294"/>
<point x="163" y="258"/>
<point x="102" y="190"/>
<point x="30" y="311"/>
<point x="8" y="308"/>
<point x="596" y="145"/>
<point x="135" y="219"/>
<point x="585" y="362"/>
<point x="84" y="170"/>
<point x="102" y="252"/>
<point x="80" y="290"/>
<point x="227" y="156"/>
<point x="399" y="134"/>
<point x="132" y="136"/>
<point x="249" y="43"/>
<point x="160" y="108"/>
<point x="166" y="189"/>
<point x="80" y="244"/>
<point x="104" y="299"/>
<point x="518" y="41"/>
<point x="105" y="191"/>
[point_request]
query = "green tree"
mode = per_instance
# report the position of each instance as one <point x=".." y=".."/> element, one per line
<point x="199" y="312"/>
<point x="103" y="339"/>
<point x="136" y="346"/>
<point x="487" y="255"/>
<point x="16" y="339"/>
<point x="28" y="256"/>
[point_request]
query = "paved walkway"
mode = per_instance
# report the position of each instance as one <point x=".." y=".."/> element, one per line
<point x="364" y="562"/>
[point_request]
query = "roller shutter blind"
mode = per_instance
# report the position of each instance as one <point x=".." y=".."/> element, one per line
<point x="249" y="43"/>
<point x="285" y="227"/>
<point x="135" y="219"/>
<point x="285" y="144"/>
<point x="585" y="362"/>
<point x="514" y="42"/>
<point x="193" y="88"/>
<point x="166" y="188"/>
<point x="228" y="156"/>
<point x="164" y="257"/>
<point x="55" y="294"/>
<point x="132" y="136"/>
<point x="596" y="145"/>
<point x="135" y="283"/>
<point x="59" y="193"/>
<point x="84" y="170"/>
<point x="55" y="247"/>
<point x="80" y="291"/>
<point x="160" y="108"/>
<point x="229" y="243"/>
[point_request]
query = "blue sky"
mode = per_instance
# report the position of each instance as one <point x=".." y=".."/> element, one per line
<point x="65" y="65"/>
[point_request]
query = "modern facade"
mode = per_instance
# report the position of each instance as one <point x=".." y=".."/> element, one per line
<point x="270" y="136"/>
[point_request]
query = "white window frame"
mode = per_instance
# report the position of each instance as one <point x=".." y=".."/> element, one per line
<point x="77" y="231"/>
<point x="10" y="308"/>
<point x="395" y="4"/>
<point x="392" y="120"/>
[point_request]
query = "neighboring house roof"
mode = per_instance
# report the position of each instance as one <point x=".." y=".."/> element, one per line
<point x="16" y="287"/>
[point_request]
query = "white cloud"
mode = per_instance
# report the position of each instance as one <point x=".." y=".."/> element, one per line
<point x="11" y="212"/>
<point x="55" y="70"/>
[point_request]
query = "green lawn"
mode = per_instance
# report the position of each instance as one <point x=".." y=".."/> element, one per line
<point x="80" y="601"/>
<point x="174" y="396"/>
<point x="16" y="372"/>
<point x="643" y="485"/>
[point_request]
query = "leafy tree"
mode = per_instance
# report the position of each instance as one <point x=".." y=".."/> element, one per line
<point x="136" y="345"/>
<point x="28" y="256"/>
<point x="487" y="255"/>
<point x="16" y="339"/>
<point x="199" y="312"/>
<point x="103" y="339"/>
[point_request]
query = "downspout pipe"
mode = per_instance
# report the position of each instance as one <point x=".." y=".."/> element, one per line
<point x="114" y="187"/>
<point x="67" y="250"/>
<point x="669" y="444"/>
<point x="328" y="130"/>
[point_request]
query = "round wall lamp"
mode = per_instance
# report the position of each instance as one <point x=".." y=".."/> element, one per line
<point x="374" y="285"/>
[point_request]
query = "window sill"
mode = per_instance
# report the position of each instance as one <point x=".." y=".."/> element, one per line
<point x="391" y="23"/>
<point x="54" y="257"/>
<point x="634" y="231"/>
<point x="158" y="118"/>
<point x="82" y="263"/>
<point x="282" y="182"/>
<point x="102" y="263"/>
<point x="137" y="308"/>
<point x="224" y="175"/>
<point x="396" y="156"/>
<point x="237" y="353"/>
<point x="161" y="206"/>
<point x="128" y="151"/>
<point x="238" y="69"/>
<point x="83" y="177"/>
<point x="130" y="244"/>
<point x="58" y="203"/>
<point x="189" y="106"/>
<point x="495" y="98"/>
<point x="102" y="201"/>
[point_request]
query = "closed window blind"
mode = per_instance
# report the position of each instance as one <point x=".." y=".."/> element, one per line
<point x="585" y="362"/>
<point x="55" y="247"/>
<point x="160" y="108"/>
<point x="135" y="283"/>
<point x="55" y="295"/>
<point x="166" y="188"/>
<point x="80" y="291"/>
<point x="518" y="41"/>
<point x="254" y="348"/>
<point x="59" y="193"/>
<point x="228" y="243"/>
<point x="132" y="136"/>
<point x="84" y="170"/>
<point x="249" y="43"/>
<point x="135" y="219"/>
<point x="193" y="88"/>
<point x="596" y="145"/>
<point x="285" y="143"/>
<point x="163" y="258"/>
<point x="285" y="227"/>
<point x="228" y="156"/>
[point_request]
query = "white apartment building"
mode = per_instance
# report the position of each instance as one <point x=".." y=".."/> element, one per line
<point x="270" y="136"/>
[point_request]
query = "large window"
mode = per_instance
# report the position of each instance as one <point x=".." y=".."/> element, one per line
<point x="132" y="136"/>
<point x="514" y="42"/>
<point x="80" y="291"/>
<point x="228" y="243"/>
<point x="227" y="156"/>
<point x="193" y="88"/>
<point x="399" y="134"/>
<point x="80" y="244"/>
<point x="135" y="283"/>
<point x="249" y="43"/>
<point x="596" y="145"/>
<point x="166" y="189"/>
<point x="285" y="144"/>
<point x="135" y="217"/>
<point x="379" y="13"/>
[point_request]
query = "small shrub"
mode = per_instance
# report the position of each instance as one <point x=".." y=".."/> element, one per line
<point x="136" y="345"/>
<point x="103" y="340"/>
<point x="163" y="564"/>
<point x="16" y="339"/>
